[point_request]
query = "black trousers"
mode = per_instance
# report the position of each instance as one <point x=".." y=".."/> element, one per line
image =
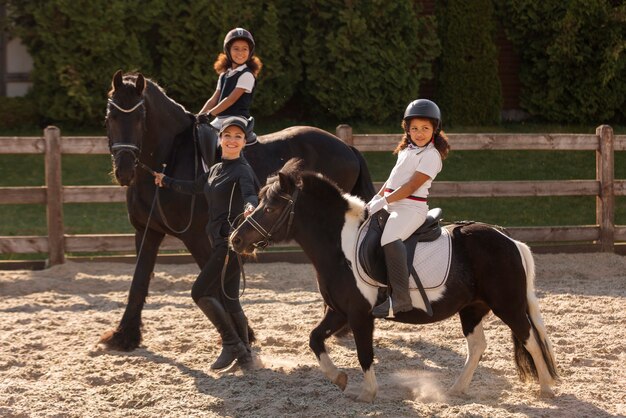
<point x="209" y="281"/>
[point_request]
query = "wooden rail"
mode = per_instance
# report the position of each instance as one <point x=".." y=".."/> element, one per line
<point x="53" y="194"/>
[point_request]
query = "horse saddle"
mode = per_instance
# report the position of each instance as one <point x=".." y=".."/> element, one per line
<point x="370" y="252"/>
<point x="208" y="139"/>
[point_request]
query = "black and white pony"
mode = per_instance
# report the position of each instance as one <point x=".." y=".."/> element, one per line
<point x="148" y="130"/>
<point x="487" y="271"/>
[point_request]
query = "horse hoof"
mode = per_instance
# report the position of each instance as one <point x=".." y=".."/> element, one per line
<point x="457" y="392"/>
<point x="115" y="340"/>
<point x="547" y="393"/>
<point x="366" y="397"/>
<point x="341" y="380"/>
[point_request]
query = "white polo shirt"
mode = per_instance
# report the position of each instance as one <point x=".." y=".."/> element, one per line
<point x="426" y="160"/>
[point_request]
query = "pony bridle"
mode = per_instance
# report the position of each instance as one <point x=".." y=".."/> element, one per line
<point x="119" y="147"/>
<point x="285" y="216"/>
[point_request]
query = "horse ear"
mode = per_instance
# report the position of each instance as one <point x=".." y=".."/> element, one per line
<point x="286" y="181"/>
<point x="140" y="84"/>
<point x="118" y="81"/>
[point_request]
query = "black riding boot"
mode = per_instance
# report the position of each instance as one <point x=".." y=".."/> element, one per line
<point x="232" y="346"/>
<point x="398" y="276"/>
<point x="240" y="323"/>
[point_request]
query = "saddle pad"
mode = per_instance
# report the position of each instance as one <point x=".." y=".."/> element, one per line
<point x="431" y="261"/>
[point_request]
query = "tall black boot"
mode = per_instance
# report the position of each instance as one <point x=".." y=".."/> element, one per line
<point x="232" y="346"/>
<point x="398" y="276"/>
<point x="240" y="323"/>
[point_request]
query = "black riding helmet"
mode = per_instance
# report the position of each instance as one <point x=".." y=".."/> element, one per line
<point x="233" y="35"/>
<point x="423" y="108"/>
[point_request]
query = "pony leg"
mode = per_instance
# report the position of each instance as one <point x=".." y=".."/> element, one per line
<point x="127" y="335"/>
<point x="471" y="321"/>
<point x="531" y="355"/>
<point x="363" y="329"/>
<point x="331" y="323"/>
<point x="543" y="373"/>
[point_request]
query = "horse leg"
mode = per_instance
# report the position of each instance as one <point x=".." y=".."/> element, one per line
<point x="471" y="321"/>
<point x="362" y="326"/>
<point x="127" y="335"/>
<point x="332" y="322"/>
<point x="529" y="357"/>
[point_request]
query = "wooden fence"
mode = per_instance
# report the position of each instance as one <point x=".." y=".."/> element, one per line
<point x="53" y="194"/>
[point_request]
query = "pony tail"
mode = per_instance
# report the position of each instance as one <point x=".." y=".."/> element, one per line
<point x="404" y="142"/>
<point x="442" y="144"/>
<point x="221" y="64"/>
<point x="255" y="65"/>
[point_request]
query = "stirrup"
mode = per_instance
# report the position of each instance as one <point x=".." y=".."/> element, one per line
<point x="378" y="312"/>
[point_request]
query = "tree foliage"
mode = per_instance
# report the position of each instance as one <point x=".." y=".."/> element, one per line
<point x="468" y="84"/>
<point x="369" y="58"/>
<point x="573" y="57"/>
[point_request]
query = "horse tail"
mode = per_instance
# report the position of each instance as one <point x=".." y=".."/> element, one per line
<point x="364" y="188"/>
<point x="523" y="360"/>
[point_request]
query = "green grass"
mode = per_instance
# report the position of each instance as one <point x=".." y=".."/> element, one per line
<point x="516" y="165"/>
<point x="28" y="170"/>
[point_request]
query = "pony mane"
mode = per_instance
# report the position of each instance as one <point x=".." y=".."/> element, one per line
<point x="320" y="186"/>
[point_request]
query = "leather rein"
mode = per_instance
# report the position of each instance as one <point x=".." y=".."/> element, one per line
<point x="119" y="147"/>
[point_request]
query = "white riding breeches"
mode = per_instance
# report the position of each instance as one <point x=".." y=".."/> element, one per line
<point x="403" y="220"/>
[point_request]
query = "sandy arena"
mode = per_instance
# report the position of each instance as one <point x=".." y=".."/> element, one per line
<point x="50" y="364"/>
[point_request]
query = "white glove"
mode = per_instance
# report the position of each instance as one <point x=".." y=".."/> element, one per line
<point x="377" y="203"/>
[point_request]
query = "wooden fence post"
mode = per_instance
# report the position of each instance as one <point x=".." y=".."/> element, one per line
<point x="344" y="132"/>
<point x="605" y="201"/>
<point x="54" y="196"/>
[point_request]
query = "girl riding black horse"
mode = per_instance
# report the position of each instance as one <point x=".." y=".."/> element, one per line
<point x="148" y="130"/>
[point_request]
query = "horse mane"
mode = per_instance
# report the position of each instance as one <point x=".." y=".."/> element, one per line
<point x="153" y="90"/>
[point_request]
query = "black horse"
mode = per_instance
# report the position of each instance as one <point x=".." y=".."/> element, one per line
<point x="148" y="131"/>
<point x="488" y="271"/>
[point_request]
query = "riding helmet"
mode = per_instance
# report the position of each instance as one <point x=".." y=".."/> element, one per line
<point x="423" y="108"/>
<point x="233" y="35"/>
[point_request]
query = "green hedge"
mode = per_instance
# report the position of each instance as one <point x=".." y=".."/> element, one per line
<point x="468" y="85"/>
<point x="344" y="60"/>
<point x="369" y="59"/>
<point x="367" y="65"/>
<point x="18" y="112"/>
<point x="573" y="57"/>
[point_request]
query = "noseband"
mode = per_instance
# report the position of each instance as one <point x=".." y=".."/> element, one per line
<point x="285" y="216"/>
<point x="119" y="147"/>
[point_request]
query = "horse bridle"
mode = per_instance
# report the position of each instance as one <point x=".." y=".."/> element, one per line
<point x="119" y="147"/>
<point x="286" y="215"/>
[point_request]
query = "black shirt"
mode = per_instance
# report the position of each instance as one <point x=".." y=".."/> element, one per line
<point x="228" y="186"/>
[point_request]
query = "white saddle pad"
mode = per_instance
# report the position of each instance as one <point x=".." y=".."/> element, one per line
<point x="431" y="261"/>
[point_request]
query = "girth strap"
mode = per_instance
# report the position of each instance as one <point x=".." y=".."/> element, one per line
<point x="410" y="252"/>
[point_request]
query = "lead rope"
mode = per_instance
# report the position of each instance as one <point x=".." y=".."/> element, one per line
<point x="225" y="266"/>
<point x="193" y="197"/>
<point x="154" y="199"/>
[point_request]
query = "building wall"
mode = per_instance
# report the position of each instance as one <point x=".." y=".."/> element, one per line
<point x="19" y="64"/>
